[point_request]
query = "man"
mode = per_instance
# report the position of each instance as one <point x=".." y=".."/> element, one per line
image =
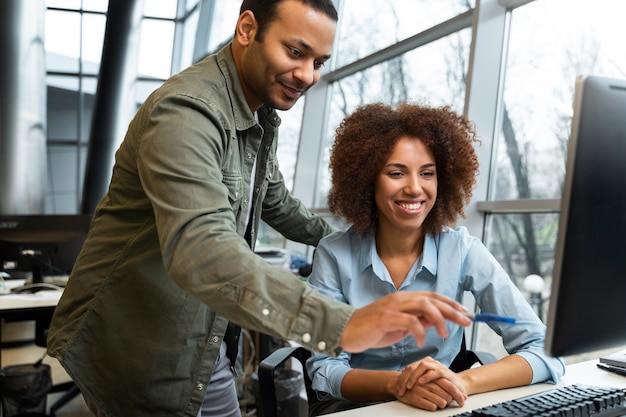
<point x="143" y="325"/>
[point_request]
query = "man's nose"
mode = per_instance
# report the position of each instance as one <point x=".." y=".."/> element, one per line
<point x="306" y="74"/>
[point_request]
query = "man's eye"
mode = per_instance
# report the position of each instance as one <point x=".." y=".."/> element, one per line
<point x="295" y="52"/>
<point x="318" y="65"/>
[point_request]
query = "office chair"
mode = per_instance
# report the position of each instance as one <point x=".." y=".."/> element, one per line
<point x="465" y="359"/>
<point x="267" y="367"/>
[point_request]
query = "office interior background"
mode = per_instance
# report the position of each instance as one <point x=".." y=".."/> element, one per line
<point x="509" y="65"/>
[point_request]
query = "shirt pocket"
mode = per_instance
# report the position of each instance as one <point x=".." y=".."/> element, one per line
<point x="234" y="183"/>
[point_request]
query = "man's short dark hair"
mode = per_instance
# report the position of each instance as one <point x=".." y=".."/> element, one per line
<point x="265" y="11"/>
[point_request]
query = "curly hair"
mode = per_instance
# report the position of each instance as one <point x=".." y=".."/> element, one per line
<point x="365" y="140"/>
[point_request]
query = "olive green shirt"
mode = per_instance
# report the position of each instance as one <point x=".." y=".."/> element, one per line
<point x="165" y="264"/>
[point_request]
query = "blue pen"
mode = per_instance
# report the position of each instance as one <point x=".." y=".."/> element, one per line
<point x="487" y="317"/>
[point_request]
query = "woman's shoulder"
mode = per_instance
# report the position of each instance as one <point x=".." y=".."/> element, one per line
<point x="345" y="238"/>
<point x="458" y="233"/>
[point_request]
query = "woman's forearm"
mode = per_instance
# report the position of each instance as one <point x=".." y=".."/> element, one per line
<point x="364" y="386"/>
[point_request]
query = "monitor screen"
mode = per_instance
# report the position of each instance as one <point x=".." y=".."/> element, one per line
<point x="41" y="244"/>
<point x="587" y="309"/>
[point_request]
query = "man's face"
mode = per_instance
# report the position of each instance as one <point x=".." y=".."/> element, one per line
<point x="280" y="69"/>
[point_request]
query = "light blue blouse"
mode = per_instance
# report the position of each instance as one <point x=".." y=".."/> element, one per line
<point x="347" y="268"/>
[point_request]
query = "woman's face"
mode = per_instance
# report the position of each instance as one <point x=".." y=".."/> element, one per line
<point x="406" y="187"/>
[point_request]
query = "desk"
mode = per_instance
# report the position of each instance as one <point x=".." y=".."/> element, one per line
<point x="585" y="373"/>
<point x="25" y="307"/>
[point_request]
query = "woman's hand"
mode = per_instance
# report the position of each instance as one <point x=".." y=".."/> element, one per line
<point x="430" y="385"/>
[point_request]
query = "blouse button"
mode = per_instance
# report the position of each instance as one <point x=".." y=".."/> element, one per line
<point x="321" y="346"/>
<point x="306" y="338"/>
<point x="265" y="312"/>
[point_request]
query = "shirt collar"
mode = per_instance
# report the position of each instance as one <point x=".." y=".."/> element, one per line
<point x="367" y="250"/>
<point x="430" y="255"/>
<point x="369" y="257"/>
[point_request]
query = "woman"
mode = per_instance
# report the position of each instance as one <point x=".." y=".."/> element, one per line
<point x="401" y="177"/>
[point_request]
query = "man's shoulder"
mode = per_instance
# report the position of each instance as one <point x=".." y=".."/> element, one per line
<point x="203" y="80"/>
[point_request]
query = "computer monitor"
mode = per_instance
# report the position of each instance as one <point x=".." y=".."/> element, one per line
<point x="587" y="309"/>
<point x="40" y="245"/>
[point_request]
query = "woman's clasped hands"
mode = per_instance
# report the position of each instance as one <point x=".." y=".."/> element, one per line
<point x="430" y="385"/>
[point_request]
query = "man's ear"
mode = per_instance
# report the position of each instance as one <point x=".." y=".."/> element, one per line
<point x="246" y="28"/>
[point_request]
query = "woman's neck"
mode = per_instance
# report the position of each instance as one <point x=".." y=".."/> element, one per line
<point x="394" y="244"/>
<point x="398" y="252"/>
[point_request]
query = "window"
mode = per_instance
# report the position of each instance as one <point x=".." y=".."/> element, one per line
<point x="367" y="26"/>
<point x="551" y="42"/>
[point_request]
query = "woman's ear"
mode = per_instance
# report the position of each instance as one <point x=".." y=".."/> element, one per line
<point x="246" y="28"/>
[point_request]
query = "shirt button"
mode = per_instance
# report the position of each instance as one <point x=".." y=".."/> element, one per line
<point x="215" y="339"/>
<point x="321" y="346"/>
<point x="265" y="312"/>
<point x="200" y="386"/>
<point x="249" y="155"/>
<point x="267" y="147"/>
<point x="306" y="338"/>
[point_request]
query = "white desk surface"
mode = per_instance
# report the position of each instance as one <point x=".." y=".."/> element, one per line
<point x="26" y="300"/>
<point x="585" y="373"/>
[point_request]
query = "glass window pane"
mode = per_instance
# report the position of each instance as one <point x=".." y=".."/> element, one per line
<point x="88" y="86"/>
<point x="143" y="89"/>
<point x="155" y="49"/>
<point x="523" y="244"/>
<point x="62" y="42"/>
<point x="93" y="40"/>
<point x="189" y="27"/>
<point x="66" y="171"/>
<point x="96" y="5"/>
<point x="224" y="19"/>
<point x="551" y="43"/>
<point x="63" y="108"/>
<point x="434" y="73"/>
<point x="64" y="117"/>
<point x="367" y="26"/>
<point x="65" y="4"/>
<point x="190" y="4"/>
<point x="288" y="139"/>
<point x="161" y="8"/>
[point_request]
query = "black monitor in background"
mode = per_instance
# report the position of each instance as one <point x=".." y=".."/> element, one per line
<point x="32" y="246"/>
<point x="587" y="309"/>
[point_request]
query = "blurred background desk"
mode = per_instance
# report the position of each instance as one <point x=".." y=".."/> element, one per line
<point x="585" y="373"/>
<point x="37" y="307"/>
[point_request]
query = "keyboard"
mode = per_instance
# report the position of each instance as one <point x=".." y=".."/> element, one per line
<point x="568" y="401"/>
